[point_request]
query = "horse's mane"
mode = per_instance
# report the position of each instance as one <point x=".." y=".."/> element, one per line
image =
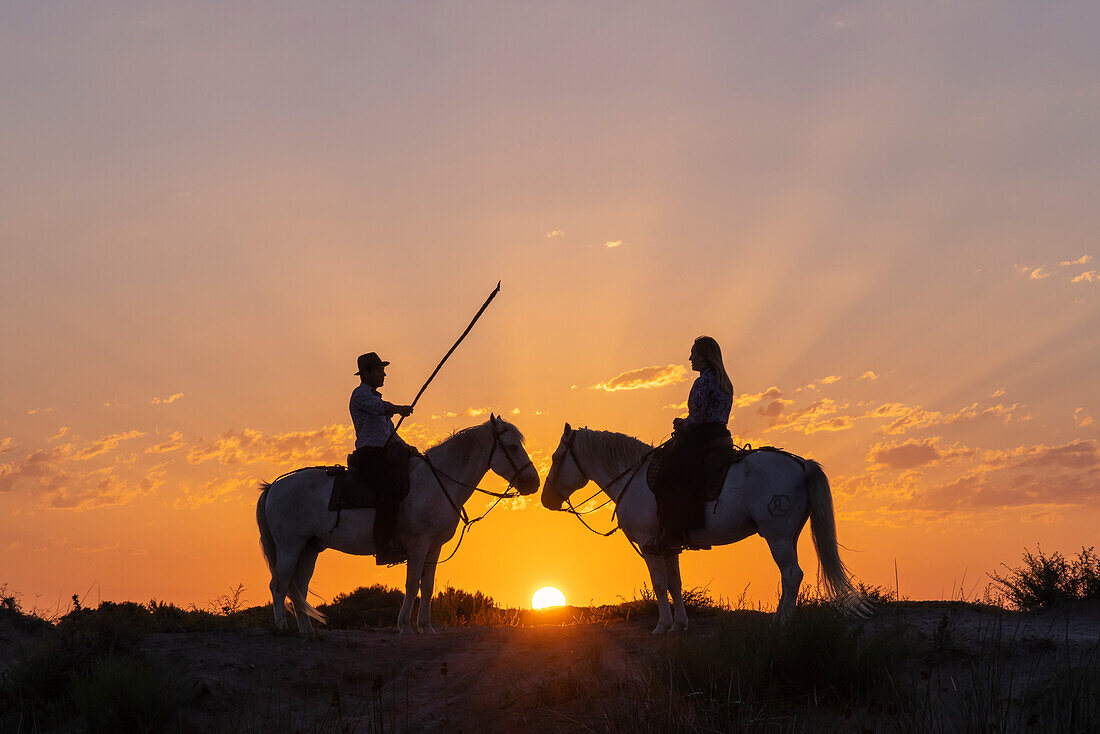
<point x="463" y="441"/>
<point x="615" y="449"/>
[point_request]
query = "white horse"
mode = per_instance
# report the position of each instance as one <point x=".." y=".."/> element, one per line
<point x="769" y="493"/>
<point x="296" y="524"/>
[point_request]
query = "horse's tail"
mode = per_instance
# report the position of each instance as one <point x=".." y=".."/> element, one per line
<point x="267" y="543"/>
<point x="834" y="575"/>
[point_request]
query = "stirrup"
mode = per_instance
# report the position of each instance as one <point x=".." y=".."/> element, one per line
<point x="392" y="556"/>
<point x="663" y="545"/>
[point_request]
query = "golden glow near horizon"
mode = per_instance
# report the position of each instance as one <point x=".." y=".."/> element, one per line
<point x="202" y="224"/>
<point x="547" y="597"/>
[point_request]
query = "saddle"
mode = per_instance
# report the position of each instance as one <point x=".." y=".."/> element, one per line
<point x="717" y="461"/>
<point x="375" y="475"/>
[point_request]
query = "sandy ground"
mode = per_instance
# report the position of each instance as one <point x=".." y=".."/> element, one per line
<point x="543" y="679"/>
<point x="462" y="679"/>
<point x="568" y="678"/>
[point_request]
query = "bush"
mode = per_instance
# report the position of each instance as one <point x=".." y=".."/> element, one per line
<point x="1045" y="581"/>
<point x="367" y="606"/>
<point x="458" y="607"/>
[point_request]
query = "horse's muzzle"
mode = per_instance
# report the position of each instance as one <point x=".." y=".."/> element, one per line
<point x="551" y="500"/>
<point x="528" y="482"/>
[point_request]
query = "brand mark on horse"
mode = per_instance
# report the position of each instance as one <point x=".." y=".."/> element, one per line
<point x="779" y="506"/>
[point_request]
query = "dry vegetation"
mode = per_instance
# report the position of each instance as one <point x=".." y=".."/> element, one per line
<point x="1028" y="661"/>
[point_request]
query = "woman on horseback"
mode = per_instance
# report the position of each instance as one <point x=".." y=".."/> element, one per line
<point x="680" y="481"/>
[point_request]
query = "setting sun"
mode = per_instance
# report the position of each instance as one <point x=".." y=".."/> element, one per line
<point x="547" y="596"/>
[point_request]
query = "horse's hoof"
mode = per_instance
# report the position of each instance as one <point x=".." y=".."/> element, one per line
<point x="661" y="629"/>
<point x="428" y="630"/>
<point x="406" y="630"/>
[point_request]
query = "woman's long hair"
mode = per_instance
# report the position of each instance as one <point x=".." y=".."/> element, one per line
<point x="707" y="348"/>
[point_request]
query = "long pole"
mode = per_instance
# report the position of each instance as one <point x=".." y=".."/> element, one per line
<point x="449" y="353"/>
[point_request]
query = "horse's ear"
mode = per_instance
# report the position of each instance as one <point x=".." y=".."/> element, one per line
<point x="494" y="420"/>
<point x="568" y="429"/>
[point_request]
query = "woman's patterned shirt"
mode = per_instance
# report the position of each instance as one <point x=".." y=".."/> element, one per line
<point x="707" y="401"/>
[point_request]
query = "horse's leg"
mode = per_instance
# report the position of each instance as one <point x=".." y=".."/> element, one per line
<point x="785" y="554"/>
<point x="283" y="583"/>
<point x="278" y="601"/>
<point x="427" y="588"/>
<point x="679" y="613"/>
<point x="415" y="568"/>
<point x="299" y="590"/>
<point x="659" y="576"/>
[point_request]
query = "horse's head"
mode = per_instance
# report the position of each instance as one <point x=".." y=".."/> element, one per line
<point x="566" y="475"/>
<point x="509" y="459"/>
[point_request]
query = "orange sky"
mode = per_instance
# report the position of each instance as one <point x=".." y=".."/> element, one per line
<point x="885" y="214"/>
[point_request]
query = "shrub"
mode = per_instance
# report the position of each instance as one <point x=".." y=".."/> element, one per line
<point x="367" y="606"/>
<point x="1045" y="581"/>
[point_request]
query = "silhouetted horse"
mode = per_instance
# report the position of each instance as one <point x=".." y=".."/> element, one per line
<point x="769" y="493"/>
<point x="296" y="524"/>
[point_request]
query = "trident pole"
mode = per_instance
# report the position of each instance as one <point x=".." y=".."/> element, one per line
<point x="448" y="354"/>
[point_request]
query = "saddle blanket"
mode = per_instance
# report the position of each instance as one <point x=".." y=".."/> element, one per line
<point x="374" y="475"/>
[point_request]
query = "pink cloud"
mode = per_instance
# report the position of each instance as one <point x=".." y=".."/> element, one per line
<point x="645" y="378"/>
<point x="914" y="452"/>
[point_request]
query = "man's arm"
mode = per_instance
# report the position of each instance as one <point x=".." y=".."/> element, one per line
<point x="392" y="409"/>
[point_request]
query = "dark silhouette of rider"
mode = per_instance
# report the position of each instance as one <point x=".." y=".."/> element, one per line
<point x="679" y="488"/>
<point x="376" y="447"/>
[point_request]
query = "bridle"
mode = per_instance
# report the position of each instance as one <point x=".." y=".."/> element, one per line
<point x="631" y="470"/>
<point x="507" y="494"/>
<point x="460" y="510"/>
<point x="516" y="469"/>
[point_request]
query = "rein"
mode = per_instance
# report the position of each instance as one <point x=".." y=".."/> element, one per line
<point x="460" y="510"/>
<point x="633" y="472"/>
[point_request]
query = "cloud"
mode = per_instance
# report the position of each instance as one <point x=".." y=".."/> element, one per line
<point x="1079" y="418"/>
<point x="60" y="432"/>
<point x="250" y="446"/>
<point x="219" y="489"/>
<point x="907" y="418"/>
<point x="774" y="408"/>
<point x="914" y="452"/>
<point x="38" y="466"/>
<point x="1039" y="475"/>
<point x="645" y="378"/>
<point x="819" y="415"/>
<point x="59" y="483"/>
<point x="6" y="444"/>
<point x="827" y="380"/>
<point x="1000" y="391"/>
<point x="1033" y="273"/>
<point x="106" y="444"/>
<point x="615" y="243"/>
<point x="742" y="401"/>
<point x="1083" y="260"/>
<point x="174" y="442"/>
<point x="555" y="233"/>
<point x="167" y="400"/>
<point x="868" y="375"/>
<point x="1089" y="276"/>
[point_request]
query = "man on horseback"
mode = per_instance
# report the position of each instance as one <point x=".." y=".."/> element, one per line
<point x="380" y="451"/>
<point x="679" y="488"/>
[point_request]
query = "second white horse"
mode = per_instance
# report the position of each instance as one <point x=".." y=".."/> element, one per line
<point x="769" y="493"/>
